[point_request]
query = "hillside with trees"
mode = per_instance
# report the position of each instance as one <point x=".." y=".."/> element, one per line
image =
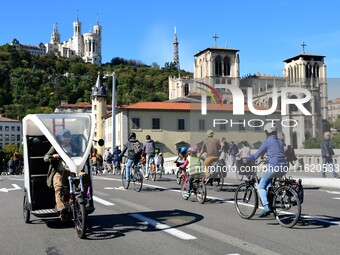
<point x="38" y="84"/>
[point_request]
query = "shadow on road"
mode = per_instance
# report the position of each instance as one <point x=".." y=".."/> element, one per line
<point x="118" y="225"/>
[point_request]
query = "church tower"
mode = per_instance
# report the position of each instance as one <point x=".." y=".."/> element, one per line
<point x="99" y="103"/>
<point x="77" y="39"/>
<point x="55" y="37"/>
<point x="307" y="71"/>
<point x="176" y="56"/>
<point x="214" y="65"/>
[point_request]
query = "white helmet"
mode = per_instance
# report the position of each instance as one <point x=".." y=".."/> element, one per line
<point x="270" y="127"/>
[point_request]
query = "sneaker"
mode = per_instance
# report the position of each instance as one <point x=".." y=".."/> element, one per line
<point x="265" y="212"/>
<point x="186" y="194"/>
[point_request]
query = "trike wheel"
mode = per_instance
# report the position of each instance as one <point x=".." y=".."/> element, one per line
<point x="201" y="192"/>
<point x="246" y="200"/>
<point x="286" y="206"/>
<point x="126" y="183"/>
<point x="26" y="211"/>
<point x="80" y="220"/>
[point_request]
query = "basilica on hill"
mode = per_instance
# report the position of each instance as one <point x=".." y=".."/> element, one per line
<point x="88" y="45"/>
<point x="220" y="67"/>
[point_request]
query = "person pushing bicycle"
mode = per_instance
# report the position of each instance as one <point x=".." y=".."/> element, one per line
<point x="277" y="165"/>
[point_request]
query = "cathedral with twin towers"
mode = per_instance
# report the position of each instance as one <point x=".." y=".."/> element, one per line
<point x="219" y="67"/>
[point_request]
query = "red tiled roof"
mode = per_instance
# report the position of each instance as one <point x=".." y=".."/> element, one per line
<point x="176" y="106"/>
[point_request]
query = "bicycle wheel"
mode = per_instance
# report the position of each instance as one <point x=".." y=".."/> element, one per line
<point x="286" y="206"/>
<point x="160" y="170"/>
<point x="179" y="177"/>
<point x="246" y="200"/>
<point x="238" y="176"/>
<point x="201" y="192"/>
<point x="137" y="180"/>
<point x="126" y="183"/>
<point x="80" y="219"/>
<point x="185" y="194"/>
<point x="218" y="182"/>
<point x="153" y="175"/>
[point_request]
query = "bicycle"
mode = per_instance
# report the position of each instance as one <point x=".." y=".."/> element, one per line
<point x="218" y="174"/>
<point x="135" y="175"/>
<point x="198" y="188"/>
<point x="283" y="199"/>
<point x="155" y="170"/>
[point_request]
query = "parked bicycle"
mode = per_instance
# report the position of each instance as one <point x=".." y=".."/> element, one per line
<point x="136" y="176"/>
<point x="197" y="188"/>
<point x="285" y="196"/>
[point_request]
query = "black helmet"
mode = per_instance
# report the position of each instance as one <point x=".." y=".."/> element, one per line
<point x="132" y="135"/>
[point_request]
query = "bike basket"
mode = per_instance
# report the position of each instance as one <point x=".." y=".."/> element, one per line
<point x="246" y="168"/>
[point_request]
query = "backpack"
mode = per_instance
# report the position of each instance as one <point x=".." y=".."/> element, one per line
<point x="136" y="148"/>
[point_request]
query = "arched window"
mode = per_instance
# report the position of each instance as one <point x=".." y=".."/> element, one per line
<point x="218" y="66"/>
<point x="293" y="107"/>
<point x="226" y="65"/>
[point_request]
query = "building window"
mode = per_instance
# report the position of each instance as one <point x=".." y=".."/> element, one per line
<point x="0" y="128"/>
<point x="181" y="124"/>
<point x="12" y="128"/>
<point x="257" y="125"/>
<point x="18" y="137"/>
<point x="12" y="138"/>
<point x="218" y="66"/>
<point x="201" y="124"/>
<point x="0" y="137"/>
<point x="156" y="123"/>
<point x="6" y="137"/>
<point x="223" y="127"/>
<point x="18" y="128"/>
<point x="135" y="123"/>
<point x="241" y="125"/>
<point x="6" y="128"/>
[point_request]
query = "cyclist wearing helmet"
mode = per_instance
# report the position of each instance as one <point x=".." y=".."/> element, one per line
<point x="277" y="165"/>
<point x="182" y="160"/>
<point x="211" y="147"/>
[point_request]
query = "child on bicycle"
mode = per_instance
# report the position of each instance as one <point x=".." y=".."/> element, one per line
<point x="182" y="160"/>
<point x="194" y="167"/>
<point x="277" y="165"/>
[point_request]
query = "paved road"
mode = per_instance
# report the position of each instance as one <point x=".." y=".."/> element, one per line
<point x="158" y="221"/>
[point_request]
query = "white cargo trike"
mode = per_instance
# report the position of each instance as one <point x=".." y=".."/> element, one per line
<point x="40" y="132"/>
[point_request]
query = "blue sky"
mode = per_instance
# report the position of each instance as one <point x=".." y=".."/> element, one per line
<point x="265" y="32"/>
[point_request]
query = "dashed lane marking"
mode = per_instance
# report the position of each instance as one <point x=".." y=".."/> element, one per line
<point x="172" y="231"/>
<point x="102" y="201"/>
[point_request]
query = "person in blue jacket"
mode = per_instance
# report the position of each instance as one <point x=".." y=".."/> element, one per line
<point x="277" y="165"/>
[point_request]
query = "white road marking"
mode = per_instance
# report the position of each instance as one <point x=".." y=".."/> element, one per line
<point x="336" y="198"/>
<point x="163" y="227"/>
<point x="102" y="201"/>
<point x="16" y="187"/>
<point x="332" y="192"/>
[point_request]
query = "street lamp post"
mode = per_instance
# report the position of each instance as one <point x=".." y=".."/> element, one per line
<point x="113" y="110"/>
